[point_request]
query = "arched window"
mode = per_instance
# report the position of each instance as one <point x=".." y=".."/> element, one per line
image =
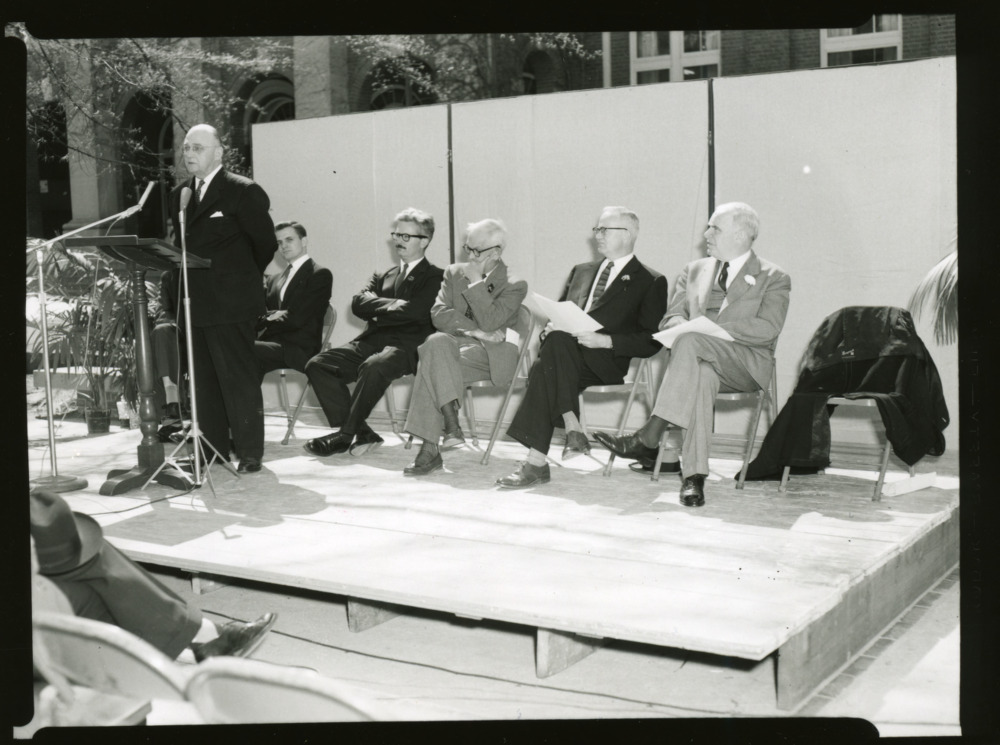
<point x="397" y="83"/>
<point x="269" y="98"/>
<point x="541" y="74"/>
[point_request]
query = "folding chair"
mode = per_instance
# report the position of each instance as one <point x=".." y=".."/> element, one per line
<point x="329" y="322"/>
<point x="761" y="397"/>
<point x="868" y="403"/>
<point x="230" y="690"/>
<point x="107" y="658"/>
<point x="641" y="384"/>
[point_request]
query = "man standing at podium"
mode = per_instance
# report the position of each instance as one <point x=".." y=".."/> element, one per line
<point x="228" y="223"/>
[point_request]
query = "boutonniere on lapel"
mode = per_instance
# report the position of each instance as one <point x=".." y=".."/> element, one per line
<point x="489" y="288"/>
<point x="626" y="278"/>
<point x="750" y="279"/>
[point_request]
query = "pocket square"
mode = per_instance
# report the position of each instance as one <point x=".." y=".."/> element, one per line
<point x="216" y="214"/>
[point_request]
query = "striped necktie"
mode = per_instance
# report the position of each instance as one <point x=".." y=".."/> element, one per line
<point x="400" y="279"/>
<point x="723" y="276"/>
<point x="602" y="283"/>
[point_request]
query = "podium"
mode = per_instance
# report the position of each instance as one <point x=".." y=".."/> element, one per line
<point x="140" y="255"/>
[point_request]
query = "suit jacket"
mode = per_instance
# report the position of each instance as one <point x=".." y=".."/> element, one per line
<point x="629" y="312"/>
<point x="403" y="321"/>
<point x="306" y="300"/>
<point x="231" y="226"/>
<point x="753" y="312"/>
<point x="494" y="305"/>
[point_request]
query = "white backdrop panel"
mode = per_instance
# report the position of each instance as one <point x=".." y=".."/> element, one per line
<point x="344" y="178"/>
<point x="853" y="172"/>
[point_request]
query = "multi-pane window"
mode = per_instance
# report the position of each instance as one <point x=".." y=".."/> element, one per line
<point x="673" y="56"/>
<point x="879" y="39"/>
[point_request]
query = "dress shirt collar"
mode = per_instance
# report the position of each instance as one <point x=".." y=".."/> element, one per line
<point x="734" y="267"/>
<point x="207" y="180"/>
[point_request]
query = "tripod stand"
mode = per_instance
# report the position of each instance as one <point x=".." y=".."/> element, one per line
<point x="198" y="441"/>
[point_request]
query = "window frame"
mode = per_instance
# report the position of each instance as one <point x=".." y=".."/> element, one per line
<point x="675" y="62"/>
<point x="860" y="42"/>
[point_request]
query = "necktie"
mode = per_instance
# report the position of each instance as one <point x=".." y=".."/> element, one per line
<point x="602" y="283"/>
<point x="283" y="280"/>
<point x="724" y="275"/>
<point x="198" y="184"/>
<point x="399" y="279"/>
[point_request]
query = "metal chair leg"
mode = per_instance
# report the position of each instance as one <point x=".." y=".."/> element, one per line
<point x="470" y="413"/>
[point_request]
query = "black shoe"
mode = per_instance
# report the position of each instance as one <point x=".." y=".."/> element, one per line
<point x="693" y="491"/>
<point x="165" y="432"/>
<point x="331" y="444"/>
<point x="365" y="442"/>
<point x="424" y="463"/>
<point x="626" y="446"/>
<point x="645" y="465"/>
<point x="248" y="465"/>
<point x="236" y="639"/>
<point x="526" y="475"/>
<point x="576" y="444"/>
<point x="453" y="439"/>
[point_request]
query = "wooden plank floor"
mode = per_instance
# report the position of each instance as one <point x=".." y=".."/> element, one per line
<point x="610" y="557"/>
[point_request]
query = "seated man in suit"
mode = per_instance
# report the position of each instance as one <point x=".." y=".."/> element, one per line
<point x="103" y="584"/>
<point x="396" y="304"/>
<point x="292" y="329"/>
<point x="628" y="299"/>
<point x="477" y="303"/>
<point x="748" y="297"/>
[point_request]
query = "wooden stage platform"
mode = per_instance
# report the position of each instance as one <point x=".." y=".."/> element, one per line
<point x="808" y="578"/>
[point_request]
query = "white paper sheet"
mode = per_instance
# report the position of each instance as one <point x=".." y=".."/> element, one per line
<point x="700" y="325"/>
<point x="565" y="316"/>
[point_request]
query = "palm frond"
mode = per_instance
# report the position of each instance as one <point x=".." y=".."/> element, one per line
<point x="938" y="293"/>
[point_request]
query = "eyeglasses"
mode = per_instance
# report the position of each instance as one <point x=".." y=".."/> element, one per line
<point x="199" y="149"/>
<point x="603" y="231"/>
<point x="477" y="252"/>
<point x="405" y="237"/>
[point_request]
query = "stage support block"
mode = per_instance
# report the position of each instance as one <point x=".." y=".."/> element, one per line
<point x="829" y="643"/>
<point x="364" y="615"/>
<point x="557" y="650"/>
<point x="910" y="483"/>
<point x="202" y="584"/>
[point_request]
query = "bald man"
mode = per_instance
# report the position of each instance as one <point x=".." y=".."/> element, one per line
<point x="227" y="221"/>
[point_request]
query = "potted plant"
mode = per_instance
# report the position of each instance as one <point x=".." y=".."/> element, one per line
<point x="91" y="326"/>
<point x="938" y="292"/>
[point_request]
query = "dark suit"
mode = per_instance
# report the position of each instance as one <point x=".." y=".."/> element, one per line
<point x="231" y="227"/>
<point x="629" y="311"/>
<point x="290" y="342"/>
<point x="387" y="348"/>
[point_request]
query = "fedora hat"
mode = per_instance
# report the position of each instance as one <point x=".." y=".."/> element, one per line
<point x="64" y="539"/>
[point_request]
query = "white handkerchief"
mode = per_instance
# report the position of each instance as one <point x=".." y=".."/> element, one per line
<point x="216" y="214"/>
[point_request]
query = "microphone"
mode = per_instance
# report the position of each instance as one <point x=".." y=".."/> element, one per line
<point x="186" y="194"/>
<point x="142" y="201"/>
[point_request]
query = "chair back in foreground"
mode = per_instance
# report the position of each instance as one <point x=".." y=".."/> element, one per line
<point x="230" y="690"/>
<point x="107" y="658"/>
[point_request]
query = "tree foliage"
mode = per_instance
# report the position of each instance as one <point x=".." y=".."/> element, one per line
<point x="90" y="79"/>
<point x="462" y="67"/>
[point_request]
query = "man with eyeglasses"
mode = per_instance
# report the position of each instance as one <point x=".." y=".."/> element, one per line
<point x="396" y="306"/>
<point x="745" y="295"/>
<point x="227" y="221"/>
<point x="628" y="299"/>
<point x="477" y="304"/>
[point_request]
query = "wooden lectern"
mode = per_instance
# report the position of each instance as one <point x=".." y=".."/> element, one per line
<point x="140" y="255"/>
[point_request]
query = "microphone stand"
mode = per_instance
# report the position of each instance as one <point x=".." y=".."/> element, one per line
<point x="56" y="482"/>
<point x="197" y="439"/>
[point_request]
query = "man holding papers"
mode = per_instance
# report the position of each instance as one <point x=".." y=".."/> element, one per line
<point x="746" y="299"/>
<point x="626" y="299"/>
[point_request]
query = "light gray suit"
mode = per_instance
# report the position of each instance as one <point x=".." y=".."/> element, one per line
<point x="753" y="313"/>
<point x="447" y="361"/>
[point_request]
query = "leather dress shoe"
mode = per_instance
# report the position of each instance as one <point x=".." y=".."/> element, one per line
<point x="525" y="476"/>
<point x="576" y="444"/>
<point x="626" y="446"/>
<point x="236" y="639"/>
<point x="645" y="465"/>
<point x="165" y="432"/>
<point x="365" y="441"/>
<point x="693" y="491"/>
<point x="330" y="444"/>
<point x="424" y="463"/>
<point x="248" y="465"/>
<point x="453" y="439"/>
